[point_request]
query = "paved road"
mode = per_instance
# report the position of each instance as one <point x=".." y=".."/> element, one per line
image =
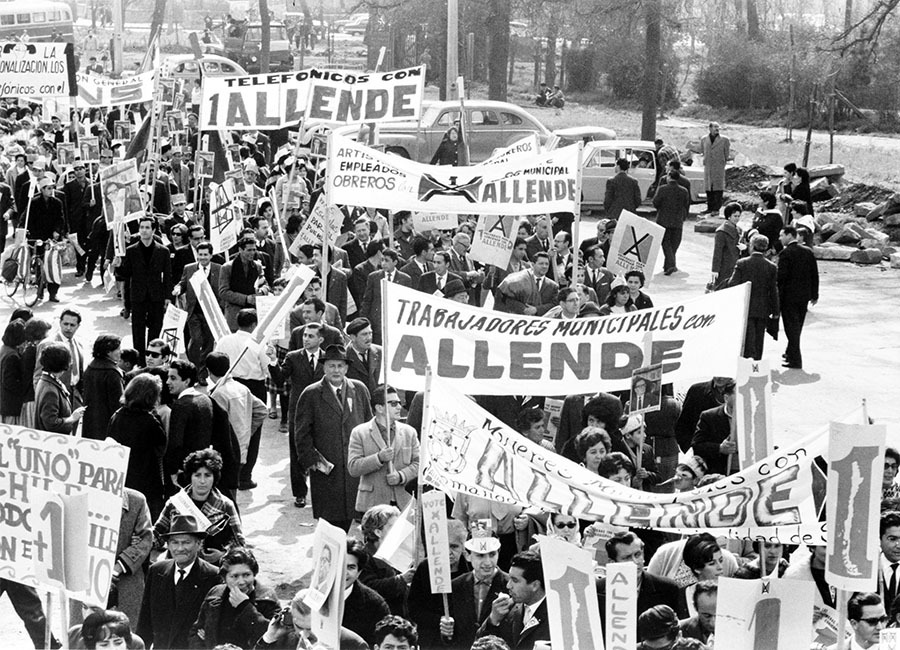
<point x="851" y="349"/>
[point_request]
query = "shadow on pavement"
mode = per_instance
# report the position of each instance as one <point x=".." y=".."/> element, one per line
<point x="795" y="377"/>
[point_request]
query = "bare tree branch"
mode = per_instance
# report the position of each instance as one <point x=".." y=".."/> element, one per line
<point x="868" y="28"/>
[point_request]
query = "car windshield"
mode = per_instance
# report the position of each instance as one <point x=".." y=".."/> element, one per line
<point x="255" y="33"/>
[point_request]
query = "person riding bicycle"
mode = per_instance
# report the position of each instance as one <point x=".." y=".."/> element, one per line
<point x="46" y="221"/>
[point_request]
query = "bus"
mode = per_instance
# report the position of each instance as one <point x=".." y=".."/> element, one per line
<point x="40" y="20"/>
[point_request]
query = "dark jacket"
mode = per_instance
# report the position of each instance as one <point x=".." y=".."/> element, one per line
<point x="363" y="608"/>
<point x="699" y="397"/>
<point x="653" y="591"/>
<point x="798" y="275"/>
<point x="713" y="428"/>
<point x="769" y="223"/>
<point x="143" y="433"/>
<point x="512" y="631"/>
<point x="622" y="193"/>
<point x="462" y="607"/>
<point x="725" y="252"/>
<point x="190" y="428"/>
<point x="13" y="381"/>
<point x="149" y="282"/>
<point x="102" y="389"/>
<point x="672" y="203"/>
<point x="53" y="405"/>
<point x="45" y="218"/>
<point x="366" y="373"/>
<point x="386" y="581"/>
<point x="761" y="274"/>
<point x="249" y="621"/>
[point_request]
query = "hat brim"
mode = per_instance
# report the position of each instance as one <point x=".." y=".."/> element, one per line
<point x="482" y="545"/>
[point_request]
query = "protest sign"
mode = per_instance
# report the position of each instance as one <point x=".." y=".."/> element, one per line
<point x="94" y="90"/>
<point x="491" y="353"/>
<point x="35" y="69"/>
<point x="426" y="221"/>
<point x="437" y="545"/>
<point x="326" y="588"/>
<point x="66" y="465"/>
<point x="752" y="614"/>
<point x="225" y="222"/>
<point x="90" y="149"/>
<point x="209" y="305"/>
<point x="635" y="245"/>
<point x="172" y="332"/>
<point x="274" y="101"/>
<point x="311" y="232"/>
<point x="60" y="530"/>
<point x="621" y="605"/>
<point x="121" y="197"/>
<point x="494" y="238"/>
<point x="572" y="606"/>
<point x="471" y="451"/>
<point x="527" y="146"/>
<point x="274" y="318"/>
<point x="522" y="186"/>
<point x="855" y="470"/>
<point x="646" y="389"/>
<point x="753" y="410"/>
<point x="397" y="547"/>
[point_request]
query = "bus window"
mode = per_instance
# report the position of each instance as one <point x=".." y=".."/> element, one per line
<point x="23" y="19"/>
<point x="39" y="17"/>
<point x="8" y="20"/>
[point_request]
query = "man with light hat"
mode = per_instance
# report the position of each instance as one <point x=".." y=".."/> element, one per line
<point x="251" y="174"/>
<point x="180" y="175"/>
<point x="179" y="204"/>
<point x="175" y="588"/>
<point x="46" y="221"/>
<point x="82" y="208"/>
<point x="633" y="436"/>
<point x="473" y="593"/>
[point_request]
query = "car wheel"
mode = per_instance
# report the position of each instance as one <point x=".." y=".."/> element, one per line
<point x="398" y="151"/>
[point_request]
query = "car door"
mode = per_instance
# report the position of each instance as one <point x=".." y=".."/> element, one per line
<point x="516" y="127"/>
<point x="598" y="167"/>
<point x="485" y="133"/>
<point x="643" y="168"/>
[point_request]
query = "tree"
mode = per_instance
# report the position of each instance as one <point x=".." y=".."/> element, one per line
<point x="498" y="29"/>
<point x="653" y="38"/>
<point x="156" y="20"/>
<point x="265" y="46"/>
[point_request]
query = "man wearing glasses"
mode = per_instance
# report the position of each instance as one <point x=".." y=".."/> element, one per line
<point x="865" y="611"/>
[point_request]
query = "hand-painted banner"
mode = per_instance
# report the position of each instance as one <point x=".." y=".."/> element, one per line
<point x="753" y="614"/>
<point x="225" y="221"/>
<point x="61" y="529"/>
<point x="121" y="197"/>
<point x="437" y="546"/>
<point x="635" y="245"/>
<point x="491" y="353"/>
<point x="210" y="307"/>
<point x="360" y="175"/>
<point x="35" y="69"/>
<point x="172" y="332"/>
<point x="397" y="547"/>
<point x="424" y="222"/>
<point x="753" y="409"/>
<point x="287" y="300"/>
<point x="527" y="146"/>
<point x="855" y="471"/>
<point x="311" y="232"/>
<point x="466" y="449"/>
<point x="494" y="238"/>
<point x="621" y="605"/>
<point x="274" y="101"/>
<point x="97" y="91"/>
<point x="572" y="606"/>
<point x="37" y="460"/>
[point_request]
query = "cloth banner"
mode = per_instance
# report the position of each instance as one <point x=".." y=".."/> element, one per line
<point x="299" y="277"/>
<point x="275" y="101"/>
<point x="621" y="605"/>
<point x="398" y="546"/>
<point x="495" y="236"/>
<point x="855" y="473"/>
<point x="210" y="307"/>
<point x="752" y="614"/>
<point x="492" y="353"/>
<point x="225" y="218"/>
<point x="527" y="146"/>
<point x="35" y="69"/>
<point x="311" y="232"/>
<point x="119" y="185"/>
<point x="437" y="545"/>
<point x="35" y="461"/>
<point x="572" y="606"/>
<point x="635" y="246"/>
<point x="360" y="175"/>
<point x="466" y="449"/>
<point x="753" y="409"/>
<point x="173" y="325"/>
<point x="98" y="91"/>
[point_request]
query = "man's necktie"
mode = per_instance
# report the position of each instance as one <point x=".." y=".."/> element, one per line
<point x="340" y="401"/>
<point x="75" y="361"/>
<point x="892" y="587"/>
<point x="539" y="282"/>
<point x="181" y="575"/>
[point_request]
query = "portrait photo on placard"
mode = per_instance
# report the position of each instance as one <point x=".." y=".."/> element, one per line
<point x="90" y="150"/>
<point x="318" y="145"/>
<point x="646" y="393"/>
<point x="205" y="163"/>
<point x="175" y="121"/>
<point x="65" y="153"/>
<point x="122" y="130"/>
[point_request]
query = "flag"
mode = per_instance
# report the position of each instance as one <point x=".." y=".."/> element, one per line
<point x="398" y="544"/>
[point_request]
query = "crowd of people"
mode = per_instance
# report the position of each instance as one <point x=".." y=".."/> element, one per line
<point x="186" y="574"/>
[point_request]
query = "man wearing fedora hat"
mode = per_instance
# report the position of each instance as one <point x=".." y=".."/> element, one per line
<point x="327" y="412"/>
<point x="175" y="588"/>
<point x="81" y="210"/>
<point x="46" y="221"/>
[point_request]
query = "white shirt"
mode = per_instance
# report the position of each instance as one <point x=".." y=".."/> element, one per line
<point x="529" y="612"/>
<point x="886" y="571"/>
<point x="187" y="570"/>
<point x="243" y="407"/>
<point x="254" y="364"/>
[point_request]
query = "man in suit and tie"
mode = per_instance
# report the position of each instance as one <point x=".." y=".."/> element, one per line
<point x="364" y="358"/>
<point x="561" y="259"/>
<point x="712" y="440"/>
<point x="356" y="247"/>
<point x="622" y="192"/>
<point x="528" y="292"/>
<point x="762" y="276"/>
<point x="464" y="267"/>
<point x="69" y="322"/>
<point x="303" y="367"/>
<point x="673" y="204"/>
<point x="798" y="287"/>
<point x="596" y="275"/>
<point x="149" y="267"/>
<point x="520" y="617"/>
<point x="371" y="305"/>
<point x="437" y="280"/>
<point x="889" y="558"/>
<point x="473" y="593"/>
<point x="312" y="310"/>
<point x="540" y="241"/>
<point x="175" y="588"/>
<point x="361" y="272"/>
<point x="420" y="263"/>
<point x="199" y="336"/>
<point x="240" y="279"/>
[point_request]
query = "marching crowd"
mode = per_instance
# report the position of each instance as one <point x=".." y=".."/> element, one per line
<point x="185" y="574"/>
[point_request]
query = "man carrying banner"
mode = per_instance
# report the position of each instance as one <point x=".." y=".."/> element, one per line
<point x="200" y="339"/>
<point x="520" y="618"/>
<point x="239" y="280"/>
<point x="529" y="292"/>
<point x="81" y="210"/>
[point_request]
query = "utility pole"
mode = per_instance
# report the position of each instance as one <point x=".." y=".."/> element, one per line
<point x="452" y="47"/>
<point x="118" y="16"/>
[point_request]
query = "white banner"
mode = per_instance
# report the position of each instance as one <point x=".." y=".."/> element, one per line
<point x="466" y="449"/>
<point x="527" y="146"/>
<point x="437" y="545"/>
<point x="635" y="245"/>
<point x="69" y="465"/>
<point x="122" y="199"/>
<point x="274" y="101"/>
<point x="855" y="471"/>
<point x="94" y="90"/>
<point x="572" y="606"/>
<point x="397" y="547"/>
<point x="311" y="232"/>
<point x="35" y="69"/>
<point x="360" y="175"/>
<point x="494" y="238"/>
<point x="225" y="222"/>
<point x="753" y="614"/>
<point x="753" y="409"/>
<point x="492" y="353"/>
<point x="210" y="307"/>
<point x="424" y="222"/>
<point x="267" y="327"/>
<point x="621" y="605"/>
<point x="172" y="333"/>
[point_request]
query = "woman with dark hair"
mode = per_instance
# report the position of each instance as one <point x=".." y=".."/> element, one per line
<point x="136" y="426"/>
<point x="36" y="330"/>
<point x="109" y="629"/>
<point x="448" y="150"/>
<point x="203" y="468"/>
<point x="13" y="380"/>
<point x="238" y="611"/>
<point x="619" y="300"/>
<point x="767" y="221"/>
<point x="102" y="386"/>
<point x="703" y="557"/>
<point x="592" y="445"/>
<point x="635" y="281"/>
<point x="798" y="190"/>
<point x="803" y="221"/>
<point x="53" y="403"/>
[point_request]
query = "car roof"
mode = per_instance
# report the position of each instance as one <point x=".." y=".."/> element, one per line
<point x="174" y="59"/>
<point x="581" y="131"/>
<point x="621" y="144"/>
<point x="473" y="103"/>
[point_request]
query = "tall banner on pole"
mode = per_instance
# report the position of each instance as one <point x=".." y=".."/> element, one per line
<point x="754" y="614"/>
<point x="621" y="605"/>
<point x="572" y="605"/>
<point x="753" y="410"/>
<point x="434" y="515"/>
<point x="209" y="305"/>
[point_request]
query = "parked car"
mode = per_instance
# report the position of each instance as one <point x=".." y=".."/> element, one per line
<point x="246" y="48"/>
<point x="356" y="23"/>
<point x="491" y="125"/>
<point x="599" y="165"/>
<point x="185" y="66"/>
<point x="573" y="134"/>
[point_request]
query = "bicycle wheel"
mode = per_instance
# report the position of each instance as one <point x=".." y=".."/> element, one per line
<point x="34" y="282"/>
<point x="11" y="287"/>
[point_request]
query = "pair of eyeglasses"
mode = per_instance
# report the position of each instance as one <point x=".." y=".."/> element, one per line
<point x="393" y="402"/>
<point x="875" y="620"/>
<point x="155" y="355"/>
<point x="571" y="524"/>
